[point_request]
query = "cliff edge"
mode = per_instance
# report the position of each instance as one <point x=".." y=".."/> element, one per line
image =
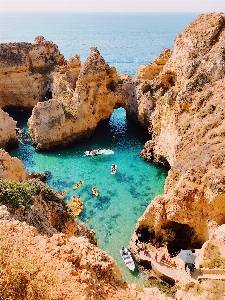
<point x="187" y="125"/>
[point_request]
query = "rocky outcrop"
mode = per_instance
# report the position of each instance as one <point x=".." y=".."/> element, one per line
<point x="58" y="256"/>
<point x="46" y="210"/>
<point x="143" y="80"/>
<point x="187" y="126"/>
<point x="80" y="95"/>
<point x="74" y="114"/>
<point x="11" y="168"/>
<point x="179" y="98"/>
<point x="26" y="71"/>
<point x="7" y="130"/>
<point x="59" y="268"/>
<point x="210" y="263"/>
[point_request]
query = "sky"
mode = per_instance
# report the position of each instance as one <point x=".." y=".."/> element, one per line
<point x="199" y="6"/>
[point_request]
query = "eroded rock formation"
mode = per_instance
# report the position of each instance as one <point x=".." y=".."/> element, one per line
<point x="26" y="71"/>
<point x="7" y="130"/>
<point x="57" y="256"/>
<point x="179" y="98"/>
<point x="11" y="168"/>
<point x="187" y="125"/>
<point x="79" y="104"/>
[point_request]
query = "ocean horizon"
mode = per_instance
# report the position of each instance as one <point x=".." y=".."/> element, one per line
<point x="126" y="41"/>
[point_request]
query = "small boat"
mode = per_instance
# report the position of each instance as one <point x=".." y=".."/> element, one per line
<point x="98" y="152"/>
<point x="94" y="191"/>
<point x="62" y="194"/>
<point x="113" y="169"/>
<point x="78" y="185"/>
<point x="127" y="258"/>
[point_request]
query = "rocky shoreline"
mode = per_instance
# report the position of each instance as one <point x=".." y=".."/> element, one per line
<point x="178" y="98"/>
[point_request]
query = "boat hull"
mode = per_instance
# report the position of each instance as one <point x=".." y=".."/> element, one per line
<point x="128" y="260"/>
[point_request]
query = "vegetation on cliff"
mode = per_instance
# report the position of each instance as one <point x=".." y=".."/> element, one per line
<point x="15" y="194"/>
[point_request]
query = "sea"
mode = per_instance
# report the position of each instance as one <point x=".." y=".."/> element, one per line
<point x="126" y="41"/>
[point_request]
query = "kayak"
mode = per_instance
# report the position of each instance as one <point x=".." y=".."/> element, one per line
<point x="63" y="193"/>
<point x="98" y="152"/>
<point x="127" y="259"/>
<point x="94" y="191"/>
<point x="78" y="185"/>
<point x="77" y="205"/>
<point x="113" y="169"/>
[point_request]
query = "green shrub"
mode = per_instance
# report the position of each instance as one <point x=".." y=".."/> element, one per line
<point x="16" y="194"/>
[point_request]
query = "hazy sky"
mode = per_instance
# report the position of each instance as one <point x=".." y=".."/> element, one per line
<point x="200" y="6"/>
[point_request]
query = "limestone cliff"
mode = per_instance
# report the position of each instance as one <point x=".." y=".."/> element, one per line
<point x="59" y="268"/>
<point x="46" y="253"/>
<point x="74" y="114"/>
<point x="179" y="97"/>
<point x="187" y="126"/>
<point x="25" y="70"/>
<point x="7" y="130"/>
<point x="25" y="76"/>
<point x="35" y="203"/>
<point x="11" y="168"/>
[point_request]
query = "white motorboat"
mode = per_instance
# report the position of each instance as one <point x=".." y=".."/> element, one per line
<point x="98" y="152"/>
<point x="127" y="258"/>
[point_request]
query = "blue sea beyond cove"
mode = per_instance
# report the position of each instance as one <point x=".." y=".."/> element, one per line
<point x="126" y="41"/>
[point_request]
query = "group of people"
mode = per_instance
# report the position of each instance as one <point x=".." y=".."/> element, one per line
<point x="124" y="251"/>
<point x="93" y="152"/>
<point x="76" y="200"/>
<point x="77" y="205"/>
<point x="141" y="247"/>
<point x="189" y="268"/>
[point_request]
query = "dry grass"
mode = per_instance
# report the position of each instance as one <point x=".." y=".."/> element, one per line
<point x="22" y="276"/>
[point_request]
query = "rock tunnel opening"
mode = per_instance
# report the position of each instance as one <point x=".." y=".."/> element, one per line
<point x="180" y="236"/>
<point x="177" y="236"/>
<point x="18" y="113"/>
<point x="120" y="124"/>
<point x="21" y="116"/>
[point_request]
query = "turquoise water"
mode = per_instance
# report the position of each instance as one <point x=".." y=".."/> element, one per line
<point x="126" y="41"/>
<point x="122" y="198"/>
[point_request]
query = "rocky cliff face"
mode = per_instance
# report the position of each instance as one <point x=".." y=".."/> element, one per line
<point x="179" y="98"/>
<point x="82" y="95"/>
<point x="25" y="76"/>
<point x="7" y="130"/>
<point x="46" y="210"/>
<point x="187" y="125"/>
<point x="11" y="168"/>
<point x="57" y="256"/>
<point x="59" y="268"/>
<point x="74" y="114"/>
<point x="26" y="71"/>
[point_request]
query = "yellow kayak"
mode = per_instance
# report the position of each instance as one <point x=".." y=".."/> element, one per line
<point x="62" y="194"/>
<point x="77" y="205"/>
<point x="78" y="185"/>
<point x="94" y="191"/>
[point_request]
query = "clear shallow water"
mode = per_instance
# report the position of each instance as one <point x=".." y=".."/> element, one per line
<point x="126" y="41"/>
<point x="122" y="197"/>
